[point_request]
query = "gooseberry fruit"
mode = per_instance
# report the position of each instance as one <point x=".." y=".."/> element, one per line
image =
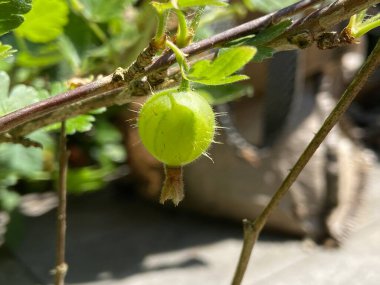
<point x="176" y="127"/>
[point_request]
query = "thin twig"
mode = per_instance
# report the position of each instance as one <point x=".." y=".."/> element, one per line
<point x="253" y="229"/>
<point x="61" y="266"/>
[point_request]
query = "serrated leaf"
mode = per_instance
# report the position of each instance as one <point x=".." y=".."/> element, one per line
<point x="18" y="97"/>
<point x="220" y="70"/>
<point x="6" y="51"/>
<point x="81" y="124"/>
<point x="103" y="10"/>
<point x="268" y="6"/>
<point x="45" y="22"/>
<point x="11" y="12"/>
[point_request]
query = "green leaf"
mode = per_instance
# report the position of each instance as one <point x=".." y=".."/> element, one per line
<point x="362" y="23"/>
<point x="193" y="3"/>
<point x="263" y="37"/>
<point x="81" y="124"/>
<point x="223" y="80"/>
<point x="6" y="51"/>
<point x="260" y="40"/>
<point x="45" y="22"/>
<point x="220" y="70"/>
<point x="102" y="10"/>
<point x="161" y="7"/>
<point x="11" y="14"/>
<point x="263" y="53"/>
<point x="268" y="6"/>
<point x="18" y="97"/>
<point x="22" y="161"/>
<point x="269" y="34"/>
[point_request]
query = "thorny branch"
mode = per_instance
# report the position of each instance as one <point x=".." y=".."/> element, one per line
<point x="319" y="21"/>
<point x="253" y="229"/>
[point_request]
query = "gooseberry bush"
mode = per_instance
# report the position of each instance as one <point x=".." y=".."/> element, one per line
<point x="55" y="56"/>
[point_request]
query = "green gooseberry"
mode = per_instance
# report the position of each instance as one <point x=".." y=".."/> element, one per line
<point x="176" y="127"/>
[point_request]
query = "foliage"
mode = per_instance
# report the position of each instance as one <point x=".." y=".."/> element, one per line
<point x="267" y="6"/>
<point x="220" y="71"/>
<point x="362" y="23"/>
<point x="260" y="40"/>
<point x="100" y="11"/>
<point x="181" y="4"/>
<point x="18" y="162"/>
<point x="11" y="12"/>
<point x="35" y="28"/>
<point x="18" y="97"/>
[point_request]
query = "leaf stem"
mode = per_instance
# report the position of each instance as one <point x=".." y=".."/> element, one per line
<point x="161" y="26"/>
<point x="183" y="31"/>
<point x="184" y="67"/>
<point x="253" y="229"/>
<point x="61" y="266"/>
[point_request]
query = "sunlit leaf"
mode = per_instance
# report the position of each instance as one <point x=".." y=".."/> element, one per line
<point x="45" y="22"/>
<point x="222" y="80"/>
<point x="192" y="3"/>
<point x="362" y="23"/>
<point x="220" y="71"/>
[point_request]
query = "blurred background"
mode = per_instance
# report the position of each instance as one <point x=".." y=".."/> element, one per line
<point x="325" y="231"/>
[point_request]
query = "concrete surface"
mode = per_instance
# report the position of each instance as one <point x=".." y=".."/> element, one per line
<point x="114" y="239"/>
